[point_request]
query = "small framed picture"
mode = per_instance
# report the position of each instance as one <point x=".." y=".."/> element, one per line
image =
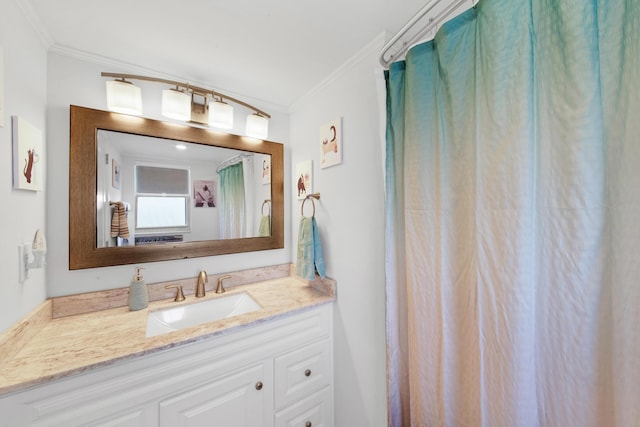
<point x="115" y="174"/>
<point x="204" y="194"/>
<point x="304" y="179"/>
<point x="331" y="143"/>
<point x="28" y="155"/>
<point x="266" y="170"/>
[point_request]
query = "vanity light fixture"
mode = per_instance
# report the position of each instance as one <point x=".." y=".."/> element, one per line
<point x="124" y="97"/>
<point x="176" y="104"/>
<point x="257" y="126"/>
<point x="199" y="110"/>
<point x="186" y="103"/>
<point x="220" y="114"/>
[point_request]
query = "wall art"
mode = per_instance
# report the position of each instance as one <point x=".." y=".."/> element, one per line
<point x="266" y="170"/>
<point x="28" y="155"/>
<point x="204" y="194"/>
<point x="304" y="178"/>
<point x="331" y="143"/>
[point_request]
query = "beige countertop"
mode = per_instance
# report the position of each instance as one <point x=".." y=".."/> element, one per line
<point x="54" y="348"/>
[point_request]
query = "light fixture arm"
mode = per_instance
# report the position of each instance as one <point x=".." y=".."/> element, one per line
<point x="195" y="89"/>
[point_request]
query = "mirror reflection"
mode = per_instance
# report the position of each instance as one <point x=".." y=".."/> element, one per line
<point x="154" y="191"/>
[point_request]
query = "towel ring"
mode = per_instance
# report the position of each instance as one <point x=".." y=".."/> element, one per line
<point x="268" y="203"/>
<point x="312" y="203"/>
<point x="310" y="196"/>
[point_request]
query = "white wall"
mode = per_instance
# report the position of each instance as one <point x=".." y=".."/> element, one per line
<point x="25" y="80"/>
<point x="77" y="81"/>
<point x="350" y="217"/>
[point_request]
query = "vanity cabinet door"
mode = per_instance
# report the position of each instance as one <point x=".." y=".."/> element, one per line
<point x="240" y="399"/>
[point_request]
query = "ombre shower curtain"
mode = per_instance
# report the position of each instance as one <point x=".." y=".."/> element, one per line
<point x="513" y="219"/>
<point x="232" y="202"/>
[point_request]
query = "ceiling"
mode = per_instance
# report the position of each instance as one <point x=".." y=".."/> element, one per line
<point x="274" y="51"/>
<point x="139" y="147"/>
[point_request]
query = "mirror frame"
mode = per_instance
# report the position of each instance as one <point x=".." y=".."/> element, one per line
<point x="83" y="250"/>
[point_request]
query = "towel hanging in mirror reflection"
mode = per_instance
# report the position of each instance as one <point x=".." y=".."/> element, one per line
<point x="264" y="229"/>
<point x="119" y="226"/>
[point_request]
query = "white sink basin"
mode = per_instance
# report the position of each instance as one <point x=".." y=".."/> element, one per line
<point x="185" y="316"/>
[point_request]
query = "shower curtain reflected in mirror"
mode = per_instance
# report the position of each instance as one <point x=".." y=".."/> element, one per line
<point x="237" y="193"/>
<point x="232" y="202"/>
<point x="513" y="232"/>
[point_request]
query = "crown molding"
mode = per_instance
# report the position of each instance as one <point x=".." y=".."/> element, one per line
<point x="34" y="20"/>
<point x="374" y="46"/>
<point x="122" y="66"/>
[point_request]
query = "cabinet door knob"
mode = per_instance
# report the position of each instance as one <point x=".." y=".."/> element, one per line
<point x="307" y="373"/>
<point x="307" y="424"/>
<point x="259" y="385"/>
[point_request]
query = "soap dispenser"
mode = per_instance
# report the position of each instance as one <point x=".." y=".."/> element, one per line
<point x="138" y="294"/>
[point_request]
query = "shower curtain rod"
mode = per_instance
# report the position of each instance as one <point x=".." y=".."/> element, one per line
<point x="232" y="161"/>
<point x="413" y="22"/>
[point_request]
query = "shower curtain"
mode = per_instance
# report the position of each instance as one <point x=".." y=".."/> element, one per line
<point x="513" y="219"/>
<point x="232" y="202"/>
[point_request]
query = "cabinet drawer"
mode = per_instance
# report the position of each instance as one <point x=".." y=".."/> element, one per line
<point x="315" y="411"/>
<point x="302" y="372"/>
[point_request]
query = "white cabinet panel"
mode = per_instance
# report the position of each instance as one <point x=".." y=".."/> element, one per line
<point x="314" y="411"/>
<point x="241" y="399"/>
<point x="134" y="419"/>
<point x="301" y="372"/>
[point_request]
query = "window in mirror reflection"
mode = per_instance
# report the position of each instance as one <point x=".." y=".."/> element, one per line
<point x="162" y="198"/>
<point x="161" y="212"/>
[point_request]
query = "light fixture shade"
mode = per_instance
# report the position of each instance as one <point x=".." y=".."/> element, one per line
<point x="124" y="97"/>
<point x="220" y="115"/>
<point x="257" y="126"/>
<point x="176" y="104"/>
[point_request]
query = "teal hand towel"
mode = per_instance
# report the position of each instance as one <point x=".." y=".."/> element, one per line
<point x="310" y="258"/>
<point x="265" y="226"/>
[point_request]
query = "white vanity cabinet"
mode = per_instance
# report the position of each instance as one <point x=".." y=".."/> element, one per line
<point x="275" y="373"/>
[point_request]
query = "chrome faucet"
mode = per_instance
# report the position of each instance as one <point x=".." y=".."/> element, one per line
<point x="220" y="288"/>
<point x="202" y="279"/>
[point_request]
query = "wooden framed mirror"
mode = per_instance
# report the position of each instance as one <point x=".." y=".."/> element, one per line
<point x="95" y="134"/>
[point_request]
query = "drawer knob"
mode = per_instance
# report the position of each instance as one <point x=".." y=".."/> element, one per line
<point x="307" y="373"/>
<point x="259" y="385"/>
<point x="307" y="424"/>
